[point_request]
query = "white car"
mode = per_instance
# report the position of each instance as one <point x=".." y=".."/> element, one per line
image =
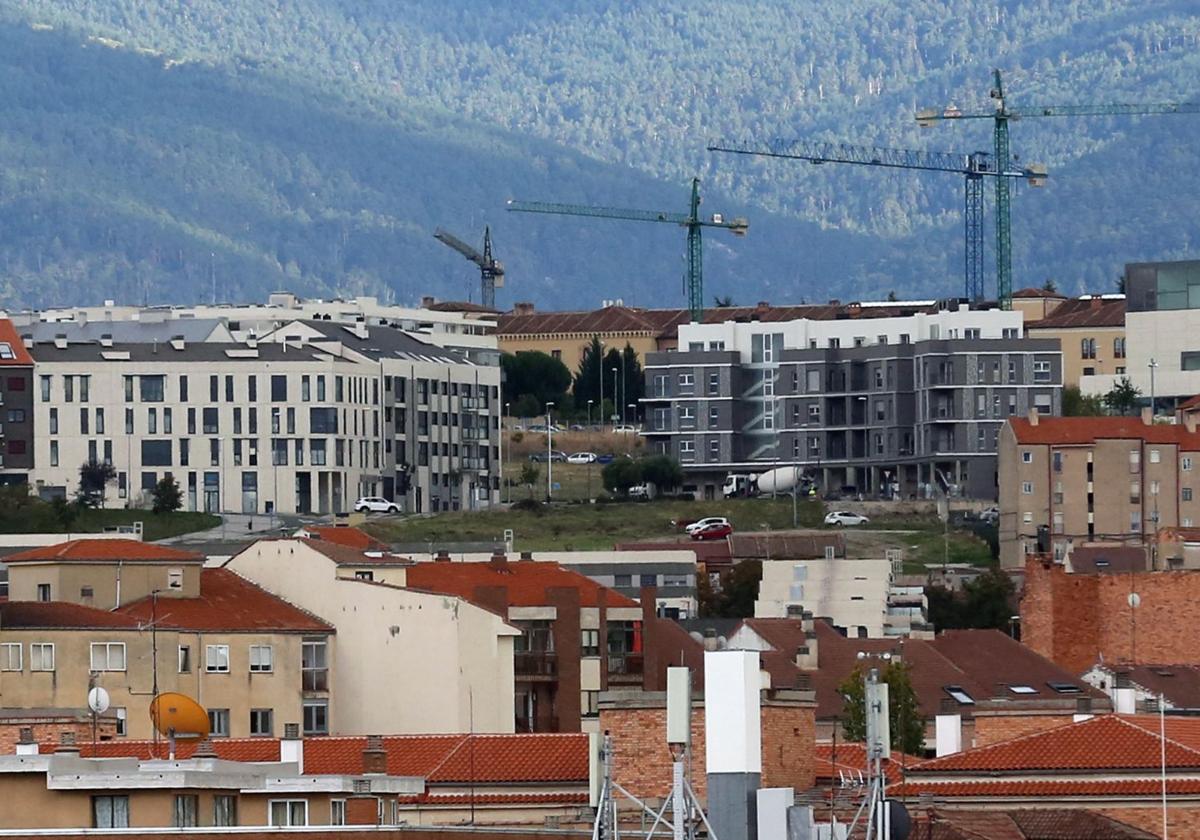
<point x="581" y="458"/>
<point x="701" y="524"/>
<point x="845" y="517"/>
<point x="375" y="504"/>
<point x="625" y="429"/>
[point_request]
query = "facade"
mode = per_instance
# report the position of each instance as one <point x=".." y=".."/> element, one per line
<point x="875" y="404"/>
<point x="306" y="420"/>
<point x="413" y="661"/>
<point x="1074" y="480"/>
<point x="138" y="618"/>
<point x="1035" y="304"/>
<point x="1091" y="332"/>
<point x="17" y="443"/>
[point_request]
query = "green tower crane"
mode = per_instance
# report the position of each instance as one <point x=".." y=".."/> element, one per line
<point x="974" y="167"/>
<point x="690" y="220"/>
<point x="1001" y="115"/>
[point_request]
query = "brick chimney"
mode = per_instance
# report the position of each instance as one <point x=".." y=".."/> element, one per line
<point x="499" y="561"/>
<point x="1189" y="421"/>
<point x="1147" y="416"/>
<point x="443" y="556"/>
<point x="1095" y="302"/>
<point x="291" y="746"/>
<point x="374" y="757"/>
<point x="523" y="308"/>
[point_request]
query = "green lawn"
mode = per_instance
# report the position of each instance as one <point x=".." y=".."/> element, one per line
<point x="156" y="526"/>
<point x="591" y="527"/>
<point x="928" y="547"/>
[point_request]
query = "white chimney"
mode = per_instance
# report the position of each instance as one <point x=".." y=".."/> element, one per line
<point x="732" y="739"/>
<point x="291" y="747"/>
<point x="948" y="730"/>
<point x="1124" y="701"/>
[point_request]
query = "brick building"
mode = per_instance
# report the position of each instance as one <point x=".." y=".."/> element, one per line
<point x="16" y="400"/>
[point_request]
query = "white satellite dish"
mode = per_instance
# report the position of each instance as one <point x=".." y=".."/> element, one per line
<point x="98" y="700"/>
<point x="1135" y="600"/>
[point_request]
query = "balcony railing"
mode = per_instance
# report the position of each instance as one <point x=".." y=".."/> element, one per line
<point x="625" y="667"/>
<point x="535" y="663"/>
<point x="315" y="679"/>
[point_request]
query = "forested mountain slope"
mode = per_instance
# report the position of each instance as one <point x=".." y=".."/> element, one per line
<point x="151" y="150"/>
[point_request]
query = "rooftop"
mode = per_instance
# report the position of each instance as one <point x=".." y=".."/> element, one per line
<point x="1038" y="293"/>
<point x="1079" y="313"/>
<point x="526" y="582"/>
<point x="227" y="602"/>
<point x="345" y="555"/>
<point x="1080" y="431"/>
<point x="382" y="342"/>
<point x="104" y="551"/>
<point x="343" y="535"/>
<point x="60" y="615"/>
<point x="1107" y="559"/>
<point x="15" y="355"/>
<point x="1179" y="684"/>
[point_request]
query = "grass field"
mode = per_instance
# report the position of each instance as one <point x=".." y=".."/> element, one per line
<point x="157" y="526"/>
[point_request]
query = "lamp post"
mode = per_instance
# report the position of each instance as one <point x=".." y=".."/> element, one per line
<point x="624" y="419"/>
<point x="614" y="414"/>
<point x="632" y="410"/>
<point x="600" y="370"/>
<point x="502" y="418"/>
<point x="549" y="453"/>
<point x="589" y="463"/>
<point x="1152" y="365"/>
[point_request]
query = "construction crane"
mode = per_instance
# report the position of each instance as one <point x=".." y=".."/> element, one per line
<point x="690" y="220"/>
<point x="491" y="270"/>
<point x="975" y="167"/>
<point x="1001" y="115"/>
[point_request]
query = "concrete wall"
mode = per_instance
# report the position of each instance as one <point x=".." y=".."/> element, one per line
<point x="853" y="593"/>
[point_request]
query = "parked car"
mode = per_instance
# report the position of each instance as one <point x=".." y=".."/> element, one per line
<point x="845" y="517"/>
<point x="606" y="458"/>
<point x="625" y="429"/>
<point x="701" y="524"/>
<point x="713" y="531"/>
<point x="990" y="515"/>
<point x="577" y="427"/>
<point x="581" y="458"/>
<point x="639" y="491"/>
<point x="375" y="504"/>
<point x="557" y="456"/>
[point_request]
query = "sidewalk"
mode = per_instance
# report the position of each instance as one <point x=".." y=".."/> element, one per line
<point x="238" y="527"/>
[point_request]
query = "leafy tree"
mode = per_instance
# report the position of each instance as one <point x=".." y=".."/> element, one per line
<point x="536" y="375"/>
<point x="1075" y="404"/>
<point x="167" y="495"/>
<point x="1050" y="286"/>
<point x="945" y="610"/>
<point x="985" y="603"/>
<point x="662" y="471"/>
<point x="586" y="385"/>
<point x="93" y="476"/>
<point x="621" y="474"/>
<point x="1123" y="397"/>
<point x="904" y="718"/>
<point x="723" y="301"/>
<point x="529" y="476"/>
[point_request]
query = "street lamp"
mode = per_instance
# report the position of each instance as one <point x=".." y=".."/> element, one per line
<point x="1152" y="365"/>
<point x="504" y="415"/>
<point x="614" y="414"/>
<point x="633" y="411"/>
<point x="549" y="453"/>
<point x="589" y="464"/>
<point x="623" y="418"/>
<point x="600" y="371"/>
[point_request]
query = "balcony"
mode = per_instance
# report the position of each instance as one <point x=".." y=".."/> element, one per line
<point x="315" y="679"/>
<point x="535" y="664"/>
<point x="625" y="667"/>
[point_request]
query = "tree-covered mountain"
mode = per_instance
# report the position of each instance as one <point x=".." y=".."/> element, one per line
<point x="156" y="151"/>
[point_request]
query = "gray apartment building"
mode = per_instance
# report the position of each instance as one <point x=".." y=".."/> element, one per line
<point x="908" y="407"/>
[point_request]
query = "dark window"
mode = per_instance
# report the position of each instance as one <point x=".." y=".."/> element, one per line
<point x="156" y="453"/>
<point x="211" y="424"/>
<point x="228" y="388"/>
<point x="262" y="722"/>
<point x="252" y="388"/>
<point x="110" y="811"/>
<point x="152" y="388"/>
<point x="183" y="388"/>
<point x="322" y="421"/>
<point x="214" y="387"/>
<point x="278" y="388"/>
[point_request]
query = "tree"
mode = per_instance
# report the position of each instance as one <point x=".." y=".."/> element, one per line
<point x="167" y="495"/>
<point x="1050" y="286"/>
<point x="587" y="379"/>
<point x="735" y="595"/>
<point x="662" y="471"/>
<point x="1123" y="397"/>
<point x="985" y="603"/>
<point x="536" y="375"/>
<point x="621" y="474"/>
<point x="723" y="301"/>
<point x="892" y="296"/>
<point x="529" y="476"/>
<point x="1075" y="404"/>
<point x="635" y="380"/>
<point x="905" y="721"/>
<point x="93" y="476"/>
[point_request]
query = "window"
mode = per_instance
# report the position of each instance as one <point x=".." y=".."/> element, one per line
<point x="288" y="812"/>
<point x="53" y="421"/>
<point x="316" y="717"/>
<point x="69" y="388"/>
<point x="99" y="421"/>
<point x="714" y="383"/>
<point x="1087" y="348"/>
<point x="1186" y="463"/>
<point x="16" y="415"/>
<point x="687" y="415"/>
<point x="54" y="453"/>
<point x="108" y="656"/>
<point x="317" y="452"/>
<point x="1187" y="494"/>
<point x="1022" y="689"/>
<point x="589" y="643"/>
<point x="260" y="658"/>
<point x="278" y="388"/>
<point x="814" y="413"/>
<point x="337" y="811"/>
<point x="122" y="719"/>
<point x="218" y="723"/>
<point x="1027" y="488"/>
<point x="648" y="580"/>
<point x="45" y="388"/>
<point x="364" y="574"/>
<point x="622" y="581"/>
<point x="184" y="814"/>
<point x="156" y="453"/>
<point x="1027" y="457"/>
<point x="41" y="656"/>
<point x="214" y="452"/>
<point x="151" y="388"/>
<point x="216" y="659"/>
<point x="714" y="449"/>
<point x="687" y="381"/>
<point x="589" y="704"/>
<point x="10" y="656"/>
<point x="1119" y="348"/>
<point x="687" y="449"/>
<point x="314" y="666"/>
<point x="1154" y="456"/>
<point x="1041" y="371"/>
<point x="211" y="421"/>
<point x="43" y="592"/>
<point x="183" y="388"/>
<point x="961" y="696"/>
<point x="185" y="659"/>
<point x="262" y="722"/>
<point x="224" y="810"/>
<point x="110" y="811"/>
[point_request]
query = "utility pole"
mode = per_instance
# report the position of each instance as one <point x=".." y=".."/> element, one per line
<point x="549" y="454"/>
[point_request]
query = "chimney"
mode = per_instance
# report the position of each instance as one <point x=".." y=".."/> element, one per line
<point x="795" y="612"/>
<point x="291" y="746"/>
<point x="204" y="749"/>
<point x="360" y="329"/>
<point x="1124" y="701"/>
<point x="523" y="308"/>
<point x="106" y="340"/>
<point x="1033" y="417"/>
<point x="733" y="739"/>
<point x="60" y="341"/>
<point x="1189" y="421"/>
<point x="948" y="729"/>
<point x="443" y="556"/>
<point x="26" y="745"/>
<point x="710" y="638"/>
<point x="428" y="301"/>
<point x="499" y="561"/>
<point x="527" y="556"/>
<point x="1147" y="416"/>
<point x="362" y="808"/>
<point x="178" y="342"/>
<point x="374" y="757"/>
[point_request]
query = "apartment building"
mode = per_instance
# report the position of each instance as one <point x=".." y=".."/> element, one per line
<point x="1091" y="332"/>
<point x="874" y="402"/>
<point x="16" y="407"/>
<point x="1071" y="480"/>
<point x="306" y="420"/>
<point x="138" y="618"/>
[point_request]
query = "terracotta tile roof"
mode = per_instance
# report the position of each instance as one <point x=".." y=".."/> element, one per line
<point x="1022" y="824"/>
<point x="1190" y="404"/>
<point x="105" y="551"/>
<point x="228" y="602"/>
<point x="345" y="536"/>
<point x="1128" y="743"/>
<point x="1067" y="431"/>
<point x="525" y="581"/>
<point x="1037" y="293"/>
<point x="850" y="759"/>
<point x="486" y="798"/>
<point x="1086" y="313"/>
<point x="36" y="615"/>
<point x="8" y="335"/>
<point x="1179" y="684"/>
<point x="1108" y="559"/>
<point x="1042" y="789"/>
<point x="439" y="759"/>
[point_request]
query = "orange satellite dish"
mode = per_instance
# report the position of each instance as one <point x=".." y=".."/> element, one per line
<point x="177" y="715"/>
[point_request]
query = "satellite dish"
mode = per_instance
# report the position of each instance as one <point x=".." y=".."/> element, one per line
<point x="1135" y="600"/>
<point x="179" y="716"/>
<point x="98" y="700"/>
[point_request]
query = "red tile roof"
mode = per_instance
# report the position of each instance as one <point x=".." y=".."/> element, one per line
<point x="1107" y="742"/>
<point x="228" y="602"/>
<point x="37" y="615"/>
<point x="345" y="555"/>
<point x="1068" y="431"/>
<point x="1083" y="313"/>
<point x="105" y="551"/>
<point x="1041" y="789"/>
<point x="485" y="798"/>
<point x="439" y="759"/>
<point x="345" y="536"/>
<point x="1190" y="404"/>
<point x="1179" y="684"/>
<point x="526" y="582"/>
<point x="1038" y="293"/>
<point x="8" y="335"/>
<point x="850" y="759"/>
<point x="1021" y="824"/>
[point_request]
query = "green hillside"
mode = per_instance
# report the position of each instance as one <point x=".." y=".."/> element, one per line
<point x="154" y="151"/>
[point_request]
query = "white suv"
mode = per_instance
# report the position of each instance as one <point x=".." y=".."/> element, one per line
<point x="701" y="524"/>
<point x="375" y="504"/>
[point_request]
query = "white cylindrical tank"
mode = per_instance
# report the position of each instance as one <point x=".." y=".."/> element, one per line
<point x="779" y="481"/>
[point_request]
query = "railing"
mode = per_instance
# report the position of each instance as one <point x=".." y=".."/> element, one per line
<point x="625" y="666"/>
<point x="535" y="663"/>
<point x="315" y="679"/>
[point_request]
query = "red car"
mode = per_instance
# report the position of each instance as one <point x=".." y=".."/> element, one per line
<point x="715" y="531"/>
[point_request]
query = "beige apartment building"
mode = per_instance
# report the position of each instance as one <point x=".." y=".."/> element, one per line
<point x="138" y="619"/>
<point x="1091" y="332"/>
<point x="1067" y="481"/>
<point x="412" y="661"/>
